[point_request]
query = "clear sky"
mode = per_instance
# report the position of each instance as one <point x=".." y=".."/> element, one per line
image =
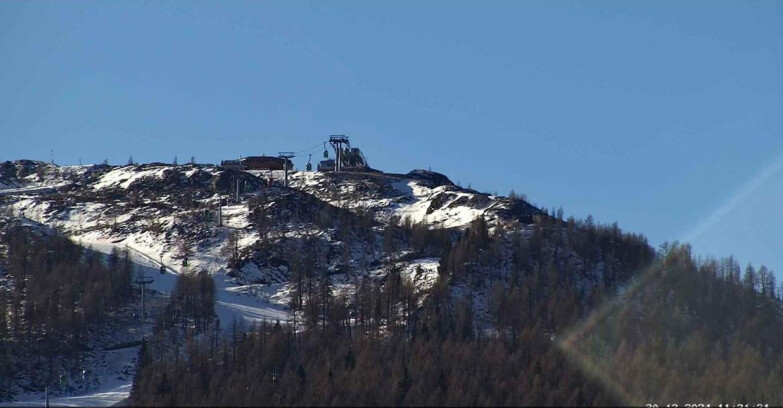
<point x="665" y="117"/>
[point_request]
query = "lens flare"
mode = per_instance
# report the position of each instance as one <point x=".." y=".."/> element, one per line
<point x="734" y="200"/>
<point x="574" y="347"/>
<point x="574" y="343"/>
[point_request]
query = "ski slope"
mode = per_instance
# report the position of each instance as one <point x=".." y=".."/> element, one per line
<point x="232" y="301"/>
<point x="108" y="395"/>
<point x="250" y="303"/>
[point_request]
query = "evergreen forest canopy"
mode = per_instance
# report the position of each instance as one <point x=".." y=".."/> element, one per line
<point x="54" y="295"/>
<point x="579" y="314"/>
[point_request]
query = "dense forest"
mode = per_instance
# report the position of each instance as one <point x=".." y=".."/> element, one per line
<point x="54" y="295"/>
<point x="689" y="331"/>
<point x="563" y="312"/>
<point x="580" y="314"/>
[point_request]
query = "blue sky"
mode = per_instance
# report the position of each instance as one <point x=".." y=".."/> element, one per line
<point x="666" y="118"/>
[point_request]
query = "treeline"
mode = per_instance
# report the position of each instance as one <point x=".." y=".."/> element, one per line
<point x="191" y="304"/>
<point x="690" y="332"/>
<point x="186" y="324"/>
<point x="579" y="314"/>
<point x="441" y="361"/>
<point x="374" y="306"/>
<point x="381" y="346"/>
<point x="54" y="294"/>
<point x="190" y="313"/>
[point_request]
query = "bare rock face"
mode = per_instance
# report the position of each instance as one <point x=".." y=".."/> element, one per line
<point x="431" y="178"/>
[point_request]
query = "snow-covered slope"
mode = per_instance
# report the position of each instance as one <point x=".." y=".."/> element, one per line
<point x="165" y="213"/>
<point x="423" y="196"/>
<point x="187" y="218"/>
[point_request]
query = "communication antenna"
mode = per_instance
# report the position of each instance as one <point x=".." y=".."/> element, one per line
<point x="52" y="155"/>
<point x="286" y="156"/>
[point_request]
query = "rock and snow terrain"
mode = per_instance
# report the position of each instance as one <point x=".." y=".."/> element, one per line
<point x="162" y="212"/>
<point x="187" y="218"/>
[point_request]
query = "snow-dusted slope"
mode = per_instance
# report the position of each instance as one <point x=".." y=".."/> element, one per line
<point x="108" y="374"/>
<point x="420" y="195"/>
<point x="162" y="213"/>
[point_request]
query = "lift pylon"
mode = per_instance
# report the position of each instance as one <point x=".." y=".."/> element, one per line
<point x="337" y="142"/>
<point x="286" y="156"/>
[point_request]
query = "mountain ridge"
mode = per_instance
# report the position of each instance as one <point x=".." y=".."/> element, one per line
<point x="169" y="212"/>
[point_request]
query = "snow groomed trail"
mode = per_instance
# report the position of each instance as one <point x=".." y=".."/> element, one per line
<point x="108" y="395"/>
<point x="233" y="303"/>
